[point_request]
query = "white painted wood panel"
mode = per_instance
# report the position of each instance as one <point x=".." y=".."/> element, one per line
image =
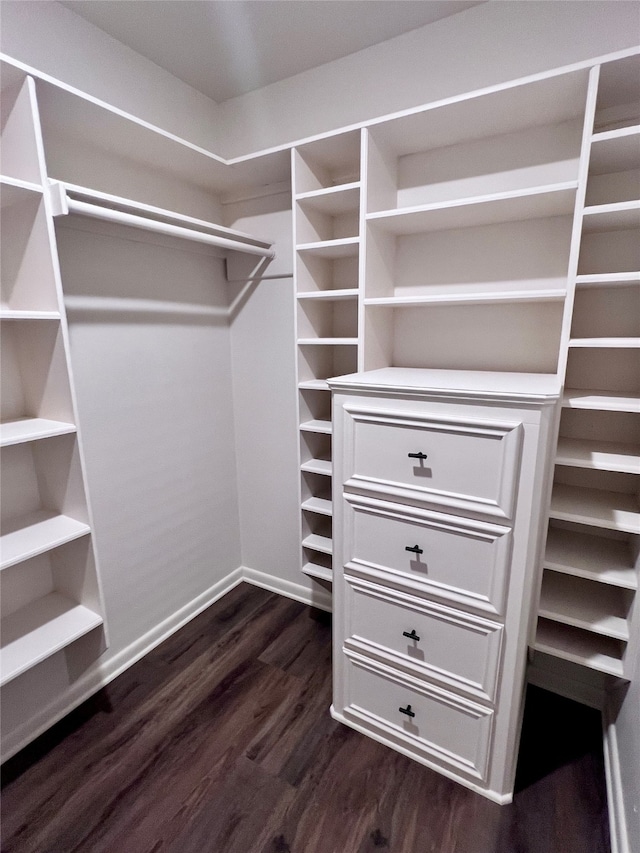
<point x="460" y="563"/>
<point x="458" y="651"/>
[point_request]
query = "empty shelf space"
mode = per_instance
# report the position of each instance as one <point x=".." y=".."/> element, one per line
<point x="537" y="202"/>
<point x="40" y="629"/>
<point x="36" y="533"/>
<point x="320" y="505"/>
<point x="596" y="558"/>
<point x="600" y="400"/>
<point x="330" y="295"/>
<point x="332" y="200"/>
<point x="315" y="542"/>
<point x="313" y="570"/>
<point x="316" y="426"/>
<point x="598" y="455"/>
<point x="31" y="429"/>
<point x="615" y="150"/>
<point x="611" y="510"/>
<point x="583" y="647"/>
<point x="622" y="216"/>
<point x="343" y="247"/>
<point x="584" y="604"/>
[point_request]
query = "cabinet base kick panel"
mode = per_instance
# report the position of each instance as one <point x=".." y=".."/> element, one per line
<point x="428" y="721"/>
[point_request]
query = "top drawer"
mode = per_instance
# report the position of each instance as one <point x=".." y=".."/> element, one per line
<point x="458" y="463"/>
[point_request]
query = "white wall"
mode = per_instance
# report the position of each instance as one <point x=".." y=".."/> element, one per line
<point x="488" y="44"/>
<point x="54" y="40"/>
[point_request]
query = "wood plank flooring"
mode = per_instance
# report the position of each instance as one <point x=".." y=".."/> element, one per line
<point x="220" y="741"/>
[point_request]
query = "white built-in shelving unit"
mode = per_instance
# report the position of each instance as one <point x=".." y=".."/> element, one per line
<point x="326" y="199"/>
<point x="50" y="589"/>
<point x="67" y="156"/>
<point x="589" y="611"/>
<point x="469" y="210"/>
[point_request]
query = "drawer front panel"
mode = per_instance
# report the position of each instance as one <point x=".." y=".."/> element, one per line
<point x="444" y="728"/>
<point x="459" y="464"/>
<point x="458" y="563"/>
<point x="458" y="650"/>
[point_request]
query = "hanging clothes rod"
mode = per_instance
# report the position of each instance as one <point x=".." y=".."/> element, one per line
<point x="63" y="204"/>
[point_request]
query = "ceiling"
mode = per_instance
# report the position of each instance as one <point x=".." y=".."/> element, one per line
<point x="225" y="48"/>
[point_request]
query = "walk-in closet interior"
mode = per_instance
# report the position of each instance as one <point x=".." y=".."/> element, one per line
<point x="365" y="334"/>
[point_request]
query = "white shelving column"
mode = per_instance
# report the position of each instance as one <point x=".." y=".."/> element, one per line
<point x="49" y="581"/>
<point x="589" y="613"/>
<point x="326" y="201"/>
<point x="468" y="226"/>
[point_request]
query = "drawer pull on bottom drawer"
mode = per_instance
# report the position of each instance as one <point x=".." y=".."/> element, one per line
<point x="415" y="549"/>
<point x="411" y="635"/>
<point x="407" y="711"/>
<point x="417" y="455"/>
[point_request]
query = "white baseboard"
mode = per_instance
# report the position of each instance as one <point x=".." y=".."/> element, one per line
<point x="615" y="799"/>
<point x="319" y="597"/>
<point x="98" y="677"/>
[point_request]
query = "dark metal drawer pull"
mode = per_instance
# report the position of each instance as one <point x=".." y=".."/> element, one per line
<point x="415" y="549"/>
<point x="417" y="455"/>
<point x="411" y="635"/>
<point x="407" y="711"/>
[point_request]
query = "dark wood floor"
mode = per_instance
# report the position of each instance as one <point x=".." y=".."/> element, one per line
<point x="220" y="741"/>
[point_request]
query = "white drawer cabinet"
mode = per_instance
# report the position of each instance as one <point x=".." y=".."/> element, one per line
<point x="440" y="485"/>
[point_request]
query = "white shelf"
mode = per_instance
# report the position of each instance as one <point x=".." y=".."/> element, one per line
<point x="598" y="455"/>
<point x="7" y="197"/>
<point x="537" y="202"/>
<point x="596" y="507"/>
<point x="12" y="314"/>
<point x="71" y="199"/>
<point x="325" y="342"/>
<point x="314" y="385"/>
<point x="614" y="279"/>
<point x="605" y="343"/>
<point x="319" y="505"/>
<point x="36" y="533"/>
<point x="621" y="216"/>
<point x="317" y="466"/>
<point x="615" y="150"/>
<point x="489" y="297"/>
<point x="317" y="426"/>
<point x="595" y="652"/>
<point x="571" y="601"/>
<point x="600" y="400"/>
<point x="315" y="542"/>
<point x="596" y="558"/>
<point x="41" y="629"/>
<point x="330" y="295"/>
<point x="318" y="572"/>
<point x="31" y="429"/>
<point x="344" y="247"/>
<point x="332" y="200"/>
